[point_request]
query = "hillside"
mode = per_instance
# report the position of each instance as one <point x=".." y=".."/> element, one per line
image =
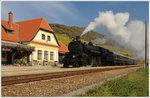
<point x="64" y="34"/>
<point x="75" y="31"/>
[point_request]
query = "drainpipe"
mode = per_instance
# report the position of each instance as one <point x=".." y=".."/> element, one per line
<point x="32" y="59"/>
<point x="13" y="58"/>
<point x="18" y="34"/>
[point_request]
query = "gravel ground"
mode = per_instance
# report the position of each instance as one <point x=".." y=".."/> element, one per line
<point x="59" y="87"/>
<point x="24" y="70"/>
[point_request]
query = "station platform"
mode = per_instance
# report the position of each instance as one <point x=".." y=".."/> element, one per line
<point x="25" y="70"/>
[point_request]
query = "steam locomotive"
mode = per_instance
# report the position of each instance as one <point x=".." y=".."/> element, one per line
<point x="82" y="54"/>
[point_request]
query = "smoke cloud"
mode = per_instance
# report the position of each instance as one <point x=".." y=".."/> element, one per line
<point x="99" y="41"/>
<point x="131" y="33"/>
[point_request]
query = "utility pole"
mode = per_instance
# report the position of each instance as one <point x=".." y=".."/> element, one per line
<point x="145" y="65"/>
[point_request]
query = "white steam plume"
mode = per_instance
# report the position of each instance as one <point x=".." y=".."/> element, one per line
<point x="131" y="33"/>
<point x="99" y="41"/>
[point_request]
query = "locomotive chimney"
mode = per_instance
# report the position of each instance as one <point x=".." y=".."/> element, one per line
<point x="77" y="38"/>
<point x="10" y="17"/>
<point x="73" y="39"/>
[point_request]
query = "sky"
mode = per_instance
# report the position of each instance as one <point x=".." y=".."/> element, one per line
<point x="123" y="21"/>
<point x="75" y="13"/>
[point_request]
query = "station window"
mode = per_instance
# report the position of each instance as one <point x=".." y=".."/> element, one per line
<point x="39" y="54"/>
<point x="9" y="33"/>
<point x="49" y="38"/>
<point x="45" y="55"/>
<point x="43" y="36"/>
<point x="51" y="55"/>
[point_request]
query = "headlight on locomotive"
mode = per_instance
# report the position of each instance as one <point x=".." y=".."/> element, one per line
<point x="73" y="56"/>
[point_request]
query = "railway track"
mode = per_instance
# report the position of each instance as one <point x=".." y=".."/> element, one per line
<point x="10" y="80"/>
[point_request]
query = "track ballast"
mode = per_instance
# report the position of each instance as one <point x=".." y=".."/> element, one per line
<point x="10" y="80"/>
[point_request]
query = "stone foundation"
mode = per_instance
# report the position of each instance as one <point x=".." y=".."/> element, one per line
<point x="44" y="63"/>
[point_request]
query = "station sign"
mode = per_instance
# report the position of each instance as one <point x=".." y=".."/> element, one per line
<point x="6" y="49"/>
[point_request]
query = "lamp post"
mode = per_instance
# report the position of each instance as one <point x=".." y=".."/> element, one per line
<point x="145" y="65"/>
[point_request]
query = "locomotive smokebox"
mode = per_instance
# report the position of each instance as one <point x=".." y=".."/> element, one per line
<point x="77" y="38"/>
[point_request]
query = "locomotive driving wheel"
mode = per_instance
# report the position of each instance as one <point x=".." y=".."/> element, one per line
<point x="65" y="65"/>
<point x="98" y="61"/>
<point x="76" y="64"/>
<point x="92" y="61"/>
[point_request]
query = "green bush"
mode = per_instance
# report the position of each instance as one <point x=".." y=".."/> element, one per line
<point x="18" y="62"/>
<point x="29" y="64"/>
<point x="22" y="62"/>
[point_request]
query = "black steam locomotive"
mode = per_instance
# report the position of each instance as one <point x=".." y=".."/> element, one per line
<point x="82" y="54"/>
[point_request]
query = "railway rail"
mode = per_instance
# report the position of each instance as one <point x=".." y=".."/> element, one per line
<point x="10" y="80"/>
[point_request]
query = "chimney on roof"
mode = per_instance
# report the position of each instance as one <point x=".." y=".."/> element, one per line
<point x="10" y="16"/>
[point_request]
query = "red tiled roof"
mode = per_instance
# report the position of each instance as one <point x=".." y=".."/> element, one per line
<point x="28" y="29"/>
<point x="63" y="49"/>
<point x="14" y="30"/>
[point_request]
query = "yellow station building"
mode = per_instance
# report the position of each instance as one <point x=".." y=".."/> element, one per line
<point x="35" y="33"/>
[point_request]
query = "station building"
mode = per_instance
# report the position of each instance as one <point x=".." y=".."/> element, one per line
<point x="32" y="41"/>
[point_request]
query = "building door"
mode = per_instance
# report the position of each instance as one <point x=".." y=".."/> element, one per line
<point x="9" y="57"/>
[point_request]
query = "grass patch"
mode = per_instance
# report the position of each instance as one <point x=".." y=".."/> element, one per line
<point x="132" y="85"/>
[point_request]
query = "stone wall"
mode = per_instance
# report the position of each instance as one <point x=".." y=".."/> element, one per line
<point x="44" y="63"/>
